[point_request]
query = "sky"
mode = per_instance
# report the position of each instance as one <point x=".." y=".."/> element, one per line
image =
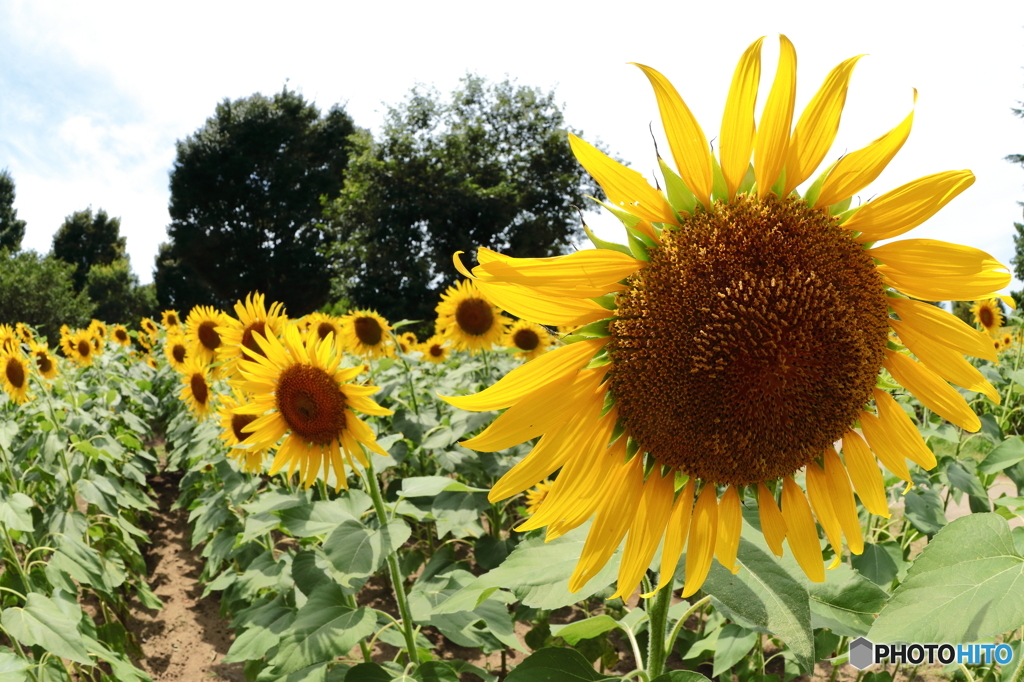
<point x="93" y="96"/>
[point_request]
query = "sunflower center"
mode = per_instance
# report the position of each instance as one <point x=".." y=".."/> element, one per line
<point x="121" y="335"/>
<point x="240" y="421"/>
<point x="258" y="327"/>
<point x="526" y="339"/>
<point x="436" y="350"/>
<point x="986" y="318"/>
<point x="750" y="342"/>
<point x="368" y="331"/>
<point x="172" y="320"/>
<point x="178" y="352"/>
<point x="200" y="391"/>
<point x="15" y="373"/>
<point x="84" y="349"/>
<point x="474" y="316"/>
<point x="323" y="329"/>
<point x="43" y="362"/>
<point x="208" y="335"/>
<point x="311" y="403"/>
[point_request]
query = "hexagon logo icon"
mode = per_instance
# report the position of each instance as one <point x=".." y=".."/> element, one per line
<point x="862" y="653"/>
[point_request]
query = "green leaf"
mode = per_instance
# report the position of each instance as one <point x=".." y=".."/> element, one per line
<point x="15" y="514"/>
<point x="12" y="666"/>
<point x="585" y="629"/>
<point x="86" y="565"/>
<point x="258" y="525"/>
<point x="846" y="603"/>
<point x="317" y="518"/>
<point x="924" y="510"/>
<point x="429" y="486"/>
<point x="964" y="481"/>
<point x="459" y="513"/>
<point x="990" y="428"/>
<point x="367" y="672"/>
<point x="435" y="671"/>
<point x="41" y="622"/>
<point x="681" y="676"/>
<point x="358" y="551"/>
<point x="263" y="628"/>
<point x="734" y="643"/>
<point x="555" y="665"/>
<point x="965" y="586"/>
<point x="1006" y="454"/>
<point x="880" y="563"/>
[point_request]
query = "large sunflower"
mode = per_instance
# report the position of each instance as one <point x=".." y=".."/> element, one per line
<point x="205" y="340"/>
<point x="14" y="374"/>
<point x="253" y="318"/>
<point x="736" y="340"/>
<point x="468" y="320"/>
<point x="366" y="334"/>
<point x="249" y="459"/>
<point x="988" y="316"/>
<point x="81" y="347"/>
<point x="301" y="392"/>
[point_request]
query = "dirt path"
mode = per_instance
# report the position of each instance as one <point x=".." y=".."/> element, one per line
<point x="187" y="639"/>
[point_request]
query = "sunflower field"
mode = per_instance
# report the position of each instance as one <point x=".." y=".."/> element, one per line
<point x="742" y="444"/>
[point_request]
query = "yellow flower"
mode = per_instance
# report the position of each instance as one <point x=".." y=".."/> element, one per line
<point x="150" y="327"/>
<point x="435" y="349"/>
<point x="169" y="319"/>
<point x="536" y="495"/>
<point x="81" y="347"/>
<point x="176" y="350"/>
<point x="151" y="362"/>
<point x="98" y="329"/>
<point x="15" y="375"/>
<point x="8" y="338"/>
<point x="46" y="364"/>
<point x="529" y="338"/>
<point x="249" y="459"/>
<point x="407" y="342"/>
<point x="365" y="333"/>
<point x="203" y="336"/>
<point x="988" y="316"/>
<point x="301" y="392"/>
<point x="321" y="325"/>
<point x="468" y="319"/>
<point x="736" y="339"/>
<point x="120" y="335"/>
<point x="196" y="391"/>
<point x="24" y="332"/>
<point x="253" y="318"/>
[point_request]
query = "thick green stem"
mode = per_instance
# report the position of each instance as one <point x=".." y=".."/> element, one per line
<point x="15" y="561"/>
<point x="671" y="641"/>
<point x="657" y="614"/>
<point x="393" y="568"/>
<point x="350" y="599"/>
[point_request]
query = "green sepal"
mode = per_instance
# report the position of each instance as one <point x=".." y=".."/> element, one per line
<point x="815" y="189"/>
<point x="665" y="470"/>
<point x="680" y="198"/>
<point x="719" y="190"/>
<point x="609" y="403"/>
<point x="636" y="247"/>
<point x="747" y="183"/>
<point x="649" y="465"/>
<point x="599" y="360"/>
<point x="602" y="244"/>
<point x="595" y="330"/>
<point x="841" y="207"/>
<point x="607" y="301"/>
<point x="893" y="346"/>
<point x="886" y="384"/>
<point x="632" y="447"/>
<point x="780" y="183"/>
<point x="891" y="293"/>
<point x="620" y="428"/>
<point x="680" y="482"/>
<point x="627" y="218"/>
<point x="845" y="215"/>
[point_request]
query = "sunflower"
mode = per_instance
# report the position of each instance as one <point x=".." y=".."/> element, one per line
<point x="737" y="338"/>
<point x="301" y="392"/>
<point x="468" y="319"/>
<point x="8" y="338"/>
<point x="529" y="338"/>
<point x="15" y="374"/>
<point x="176" y="350"/>
<point x="24" y="332"/>
<point x="365" y="333"/>
<point x="65" y="340"/>
<point x="46" y="364"/>
<point x="151" y="361"/>
<point x="536" y="495"/>
<point x="253" y="318"/>
<point x="196" y="392"/>
<point x="321" y="325"/>
<point x="203" y="336"/>
<point x="147" y="325"/>
<point x="1007" y="339"/>
<point x="120" y="335"/>
<point x="98" y="329"/>
<point x="170" y="319"/>
<point x="407" y="342"/>
<point x="988" y="316"/>
<point x="249" y="459"/>
<point x="435" y="349"/>
<point x="81" y="347"/>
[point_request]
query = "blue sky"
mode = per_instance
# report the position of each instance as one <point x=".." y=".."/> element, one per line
<point x="93" y="96"/>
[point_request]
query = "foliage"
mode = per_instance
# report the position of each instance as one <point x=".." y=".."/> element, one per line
<point x="177" y="286"/>
<point x="245" y="201"/>
<point x="39" y="291"/>
<point x="119" y="297"/>
<point x="12" y="230"/>
<point x="491" y="167"/>
<point x="85" y="240"/>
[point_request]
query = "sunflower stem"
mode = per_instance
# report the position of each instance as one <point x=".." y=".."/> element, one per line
<point x="657" y="614"/>
<point x="397" y="583"/>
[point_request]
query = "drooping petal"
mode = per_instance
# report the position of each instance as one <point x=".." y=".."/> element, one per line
<point x="687" y="141"/>
<point x="730" y="523"/>
<point x="904" y="208"/>
<point x="952" y="287"/>
<point x="841" y="495"/>
<point x="645" y="532"/>
<point x="675" y="533"/>
<point x="865" y="474"/>
<point x="884" y="445"/>
<point x="541" y="307"/>
<point x="931" y="390"/>
<point x="801" y="533"/>
<point x="773" y="526"/>
<point x="587" y="273"/>
<point x="931" y="257"/>
<point x="701" y="542"/>
<point x="821" y="504"/>
<point x="772" y="144"/>
<point x="943" y="327"/>
<point x="898" y="425"/>
<point x="944" y="361"/>
<point x="738" y="129"/>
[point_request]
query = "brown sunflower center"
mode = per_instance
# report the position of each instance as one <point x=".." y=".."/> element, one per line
<point x="178" y="352"/>
<point x="750" y="342"/>
<point x="368" y="331"/>
<point x="526" y="339"/>
<point x="15" y="372"/>
<point x="84" y="349"/>
<point x="200" y="391"/>
<point x="208" y="335"/>
<point x="258" y="327"/>
<point x="436" y="350"/>
<point x="986" y="318"/>
<point x="311" y="403"/>
<point x="474" y="316"/>
<point x="240" y="421"/>
<point x="172" y="320"/>
<point x="121" y="335"/>
<point x="43" y="361"/>
<point x="325" y="328"/>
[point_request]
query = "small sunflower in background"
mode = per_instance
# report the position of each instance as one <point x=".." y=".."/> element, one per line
<point x="170" y="320"/>
<point x="253" y="318"/>
<point x="150" y="327"/>
<point x="203" y="336"/>
<point x="529" y="338"/>
<point x="98" y="342"/>
<point x="99" y="329"/>
<point x="24" y="332"/>
<point x="301" y="392"/>
<point x="1007" y="339"/>
<point x="988" y="316"/>
<point x="435" y="349"/>
<point x="151" y="361"/>
<point x="738" y="337"/>
<point x="250" y="460"/>
<point x="320" y="325"/>
<point x="46" y="364"/>
<point x="176" y="350"/>
<point x="468" y="319"/>
<point x="15" y="375"/>
<point x="407" y="342"/>
<point x="81" y="347"/>
<point x="536" y="495"/>
<point x="65" y="340"/>
<point x="120" y="335"/>
<point x="364" y="333"/>
<point x="196" y="391"/>
<point x="8" y="338"/>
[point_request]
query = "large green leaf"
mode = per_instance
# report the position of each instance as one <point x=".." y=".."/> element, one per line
<point x="316" y="518"/>
<point x="86" y="565"/>
<point x="585" y="629"/>
<point x="429" y="486"/>
<point x="965" y="586"/>
<point x="435" y="671"/>
<point x="963" y="481"/>
<point x="924" y="510"/>
<point x="459" y="513"/>
<point x="555" y="665"/>
<point x="358" y="551"/>
<point x="880" y="563"/>
<point x="367" y="672"/>
<point x="14" y="512"/>
<point x="734" y="643"/>
<point x="263" y="629"/>
<point x="1006" y="454"/>
<point x="12" y="666"/>
<point x="42" y="622"/>
<point x="846" y="602"/>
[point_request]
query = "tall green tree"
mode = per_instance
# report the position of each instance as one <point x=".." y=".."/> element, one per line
<point x="118" y="296"/>
<point x="86" y="239"/>
<point x="12" y="230"/>
<point x="245" y="198"/>
<point x="489" y="167"/>
<point x="1018" y="239"/>
<point x="178" y="287"/>
<point x="39" y="291"/>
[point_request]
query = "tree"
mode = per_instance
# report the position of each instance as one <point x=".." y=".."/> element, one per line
<point x="245" y="198"/>
<point x="119" y="297"/>
<point x="12" y="230"/>
<point x="1018" y="239"/>
<point x="40" y="292"/>
<point x="492" y="168"/>
<point x="177" y="286"/>
<point x="85" y="240"/>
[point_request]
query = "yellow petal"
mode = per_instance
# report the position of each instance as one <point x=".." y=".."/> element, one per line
<point x="931" y="390"/>
<point x="817" y="127"/>
<point x="943" y="327"/>
<point x="901" y="428"/>
<point x="773" y="526"/>
<point x="541" y="307"/>
<point x="645" y="532"/>
<point x="955" y="287"/>
<point x="583" y="274"/>
<point x="685" y="138"/>
<point x="772" y="145"/>
<point x="841" y="495"/>
<point x="944" y="361"/>
<point x="737" y="140"/>
<point x="801" y="533"/>
<point x="702" y="540"/>
<point x="884" y="445"/>
<point x="930" y="257"/>
<point x="675" y="533"/>
<point x="865" y="474"/>
<point x="730" y="523"/>
<point x="904" y="208"/>
<point x="858" y="169"/>
<point x="821" y="504"/>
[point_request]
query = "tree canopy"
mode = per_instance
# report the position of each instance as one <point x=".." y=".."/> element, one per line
<point x="39" y="291"/>
<point x="119" y="297"/>
<point x="85" y="240"/>
<point x="245" y="200"/>
<point x="491" y="167"/>
<point x="12" y="230"/>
